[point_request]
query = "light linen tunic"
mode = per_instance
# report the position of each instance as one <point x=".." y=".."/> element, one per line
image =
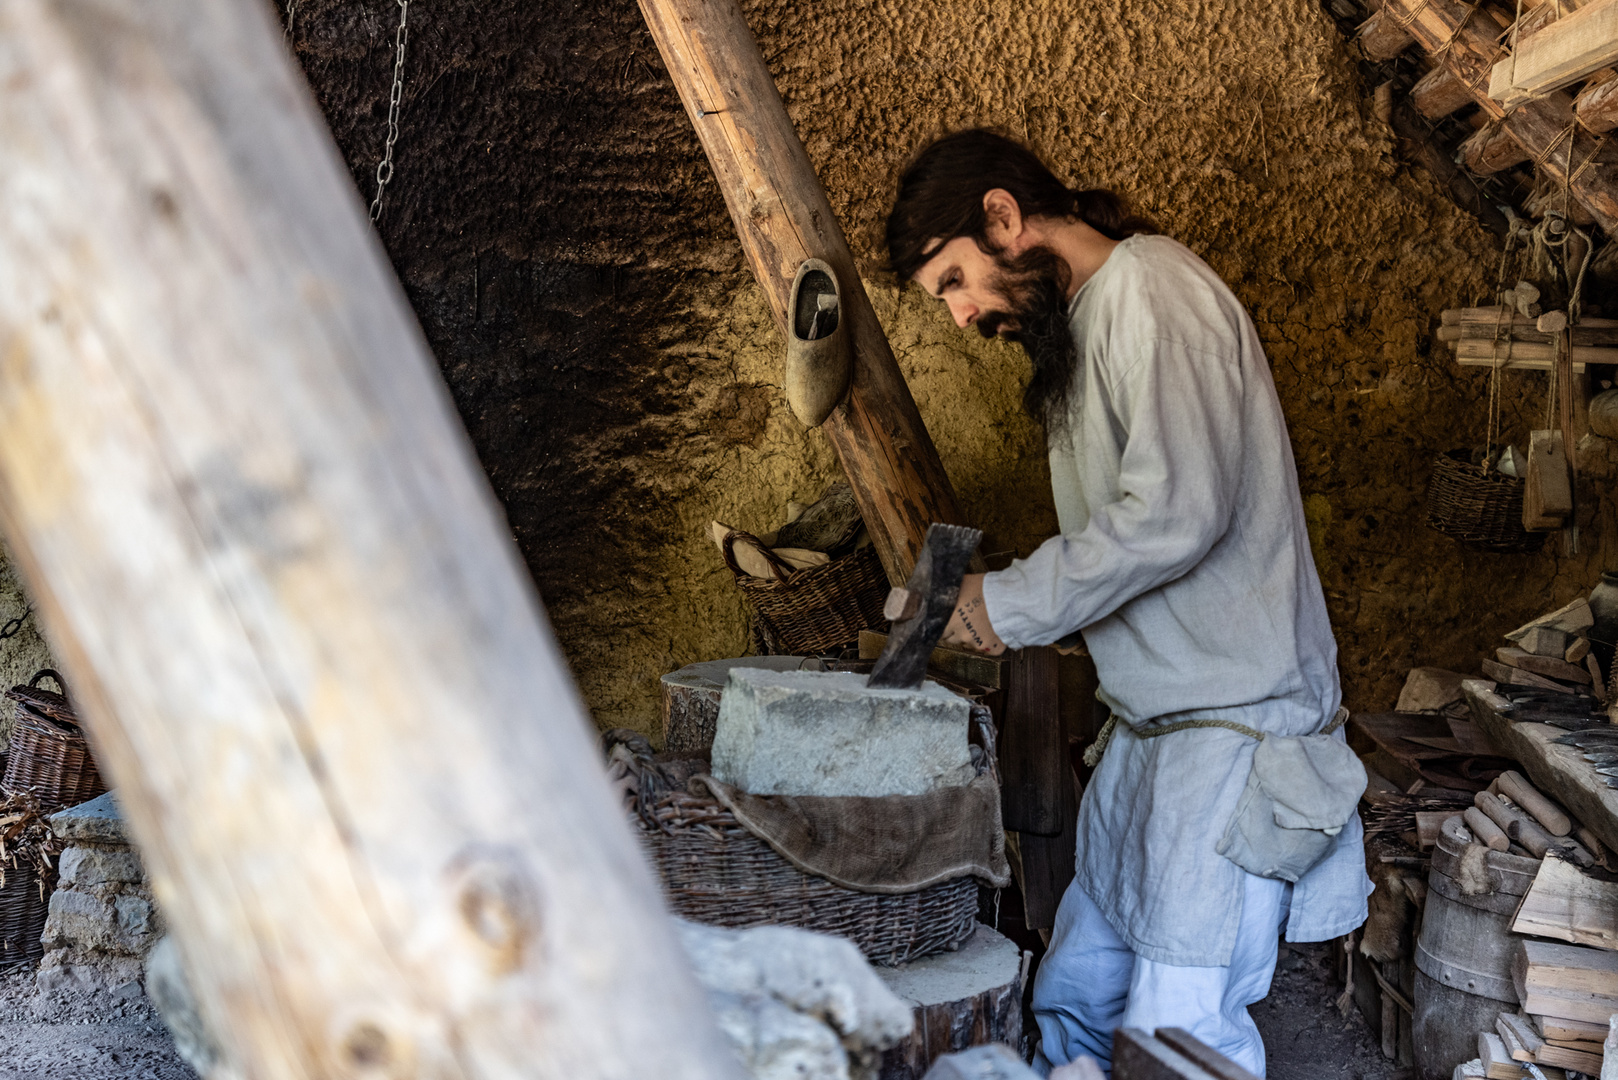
<point x="1185" y="560"/>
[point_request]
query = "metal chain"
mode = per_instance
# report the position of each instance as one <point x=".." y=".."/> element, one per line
<point x="384" y="168"/>
<point x="292" y="14"/>
<point x="14" y="626"/>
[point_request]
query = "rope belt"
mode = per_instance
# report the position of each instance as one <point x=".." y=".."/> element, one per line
<point x="1092" y="755"/>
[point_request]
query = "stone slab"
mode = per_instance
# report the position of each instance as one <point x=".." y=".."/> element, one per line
<point x="988" y="961"/>
<point x="691" y="698"/>
<point x="827" y="733"/>
<point x="97" y="821"/>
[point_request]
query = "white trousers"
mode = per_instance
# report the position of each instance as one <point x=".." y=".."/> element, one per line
<point x="1090" y="983"/>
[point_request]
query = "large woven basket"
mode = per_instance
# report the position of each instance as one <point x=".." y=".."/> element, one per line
<point x="23" y="906"/>
<point x="714" y="871"/>
<point x="49" y="757"/>
<point x="811" y="611"/>
<point x="1481" y="510"/>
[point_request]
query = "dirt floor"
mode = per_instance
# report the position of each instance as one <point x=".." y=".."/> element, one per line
<point x="1305" y="1037"/>
<point x="113" y="1036"/>
<point x="120" y="1037"/>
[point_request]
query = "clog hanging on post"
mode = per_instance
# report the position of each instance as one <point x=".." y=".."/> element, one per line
<point x="819" y="360"/>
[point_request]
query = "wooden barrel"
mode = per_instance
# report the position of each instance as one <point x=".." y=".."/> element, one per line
<point x="1463" y="954"/>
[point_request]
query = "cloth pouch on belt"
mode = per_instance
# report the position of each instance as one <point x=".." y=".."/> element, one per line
<point x="1298" y="797"/>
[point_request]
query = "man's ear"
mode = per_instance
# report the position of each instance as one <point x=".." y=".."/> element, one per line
<point x="1005" y="220"/>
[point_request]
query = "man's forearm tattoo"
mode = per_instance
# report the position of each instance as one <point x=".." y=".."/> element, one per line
<point x="965" y="612"/>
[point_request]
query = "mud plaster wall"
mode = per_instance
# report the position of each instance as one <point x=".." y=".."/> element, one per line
<point x="567" y="250"/>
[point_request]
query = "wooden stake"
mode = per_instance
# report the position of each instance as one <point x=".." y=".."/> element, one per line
<point x="782" y="217"/>
<point x="308" y="653"/>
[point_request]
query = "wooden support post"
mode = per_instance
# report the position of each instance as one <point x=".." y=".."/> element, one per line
<point x="1464" y="42"/>
<point x="782" y="217"/>
<point x="1491" y="149"/>
<point x="309" y="656"/>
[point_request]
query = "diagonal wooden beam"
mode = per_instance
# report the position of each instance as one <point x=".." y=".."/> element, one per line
<point x="290" y="608"/>
<point x="782" y="217"/>
<point x="1466" y="43"/>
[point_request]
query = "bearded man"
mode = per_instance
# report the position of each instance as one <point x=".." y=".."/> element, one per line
<point x="1223" y="807"/>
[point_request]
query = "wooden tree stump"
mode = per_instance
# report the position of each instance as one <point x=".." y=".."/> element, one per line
<point x="961" y="999"/>
<point x="691" y="699"/>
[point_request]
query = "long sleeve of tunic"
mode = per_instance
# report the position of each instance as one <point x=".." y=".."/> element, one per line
<point x="1184" y="558"/>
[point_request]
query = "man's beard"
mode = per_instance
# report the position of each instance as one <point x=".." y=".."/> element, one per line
<point x="1034" y="286"/>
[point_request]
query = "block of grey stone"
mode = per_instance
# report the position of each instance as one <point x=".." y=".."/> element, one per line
<point x="691" y="697"/>
<point x="83" y="864"/>
<point x="97" y="821"/>
<point x="827" y="733"/>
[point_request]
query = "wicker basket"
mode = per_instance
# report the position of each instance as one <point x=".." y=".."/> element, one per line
<point x="22" y="917"/>
<point x="815" y="610"/>
<point x="49" y="757"/>
<point x="1481" y="510"/>
<point x="714" y="871"/>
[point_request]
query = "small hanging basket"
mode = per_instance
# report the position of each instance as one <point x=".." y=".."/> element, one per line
<point x="49" y="757"/>
<point x="1482" y="510"/>
<point x="811" y="611"/>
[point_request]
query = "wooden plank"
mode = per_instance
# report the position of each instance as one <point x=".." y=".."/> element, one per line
<point x="1553" y="667"/>
<point x="1036" y="776"/>
<point x="1139" y="1056"/>
<point x="1558" y="55"/>
<point x="1564" y="1030"/>
<point x="1565" y="1058"/>
<point x="1560" y="770"/>
<point x="1520" y="1038"/>
<point x="1047" y="864"/>
<point x="782" y="217"/>
<point x="1189" y="1046"/>
<point x="1510" y="676"/>
<point x="1569" y="905"/>
<point x="306" y="650"/>
<point x="1569" y="981"/>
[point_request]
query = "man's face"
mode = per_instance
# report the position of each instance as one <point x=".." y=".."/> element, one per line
<point x="968" y="280"/>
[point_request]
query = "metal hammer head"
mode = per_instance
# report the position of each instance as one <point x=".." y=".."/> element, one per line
<point x="921" y="610"/>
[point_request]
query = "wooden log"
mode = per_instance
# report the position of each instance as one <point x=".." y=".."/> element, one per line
<point x="1525" y="332"/>
<point x="960" y="999"/>
<point x="1485" y="830"/>
<point x="692" y="694"/>
<point x="1558" y="55"/>
<point x="1439" y="93"/>
<point x="1525" y="356"/>
<point x="1551" y="817"/>
<point x="782" y="218"/>
<point x="1596" y="106"/>
<point x="1467" y="46"/>
<point x="1514" y="823"/>
<point x="1492" y="149"/>
<point x="306" y="650"/>
<point x="1382" y="38"/>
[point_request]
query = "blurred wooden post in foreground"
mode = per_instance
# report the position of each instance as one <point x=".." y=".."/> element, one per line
<point x="314" y="666"/>
<point x="782" y="218"/>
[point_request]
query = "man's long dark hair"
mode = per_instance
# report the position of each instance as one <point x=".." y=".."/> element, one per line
<point x="941" y="198"/>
